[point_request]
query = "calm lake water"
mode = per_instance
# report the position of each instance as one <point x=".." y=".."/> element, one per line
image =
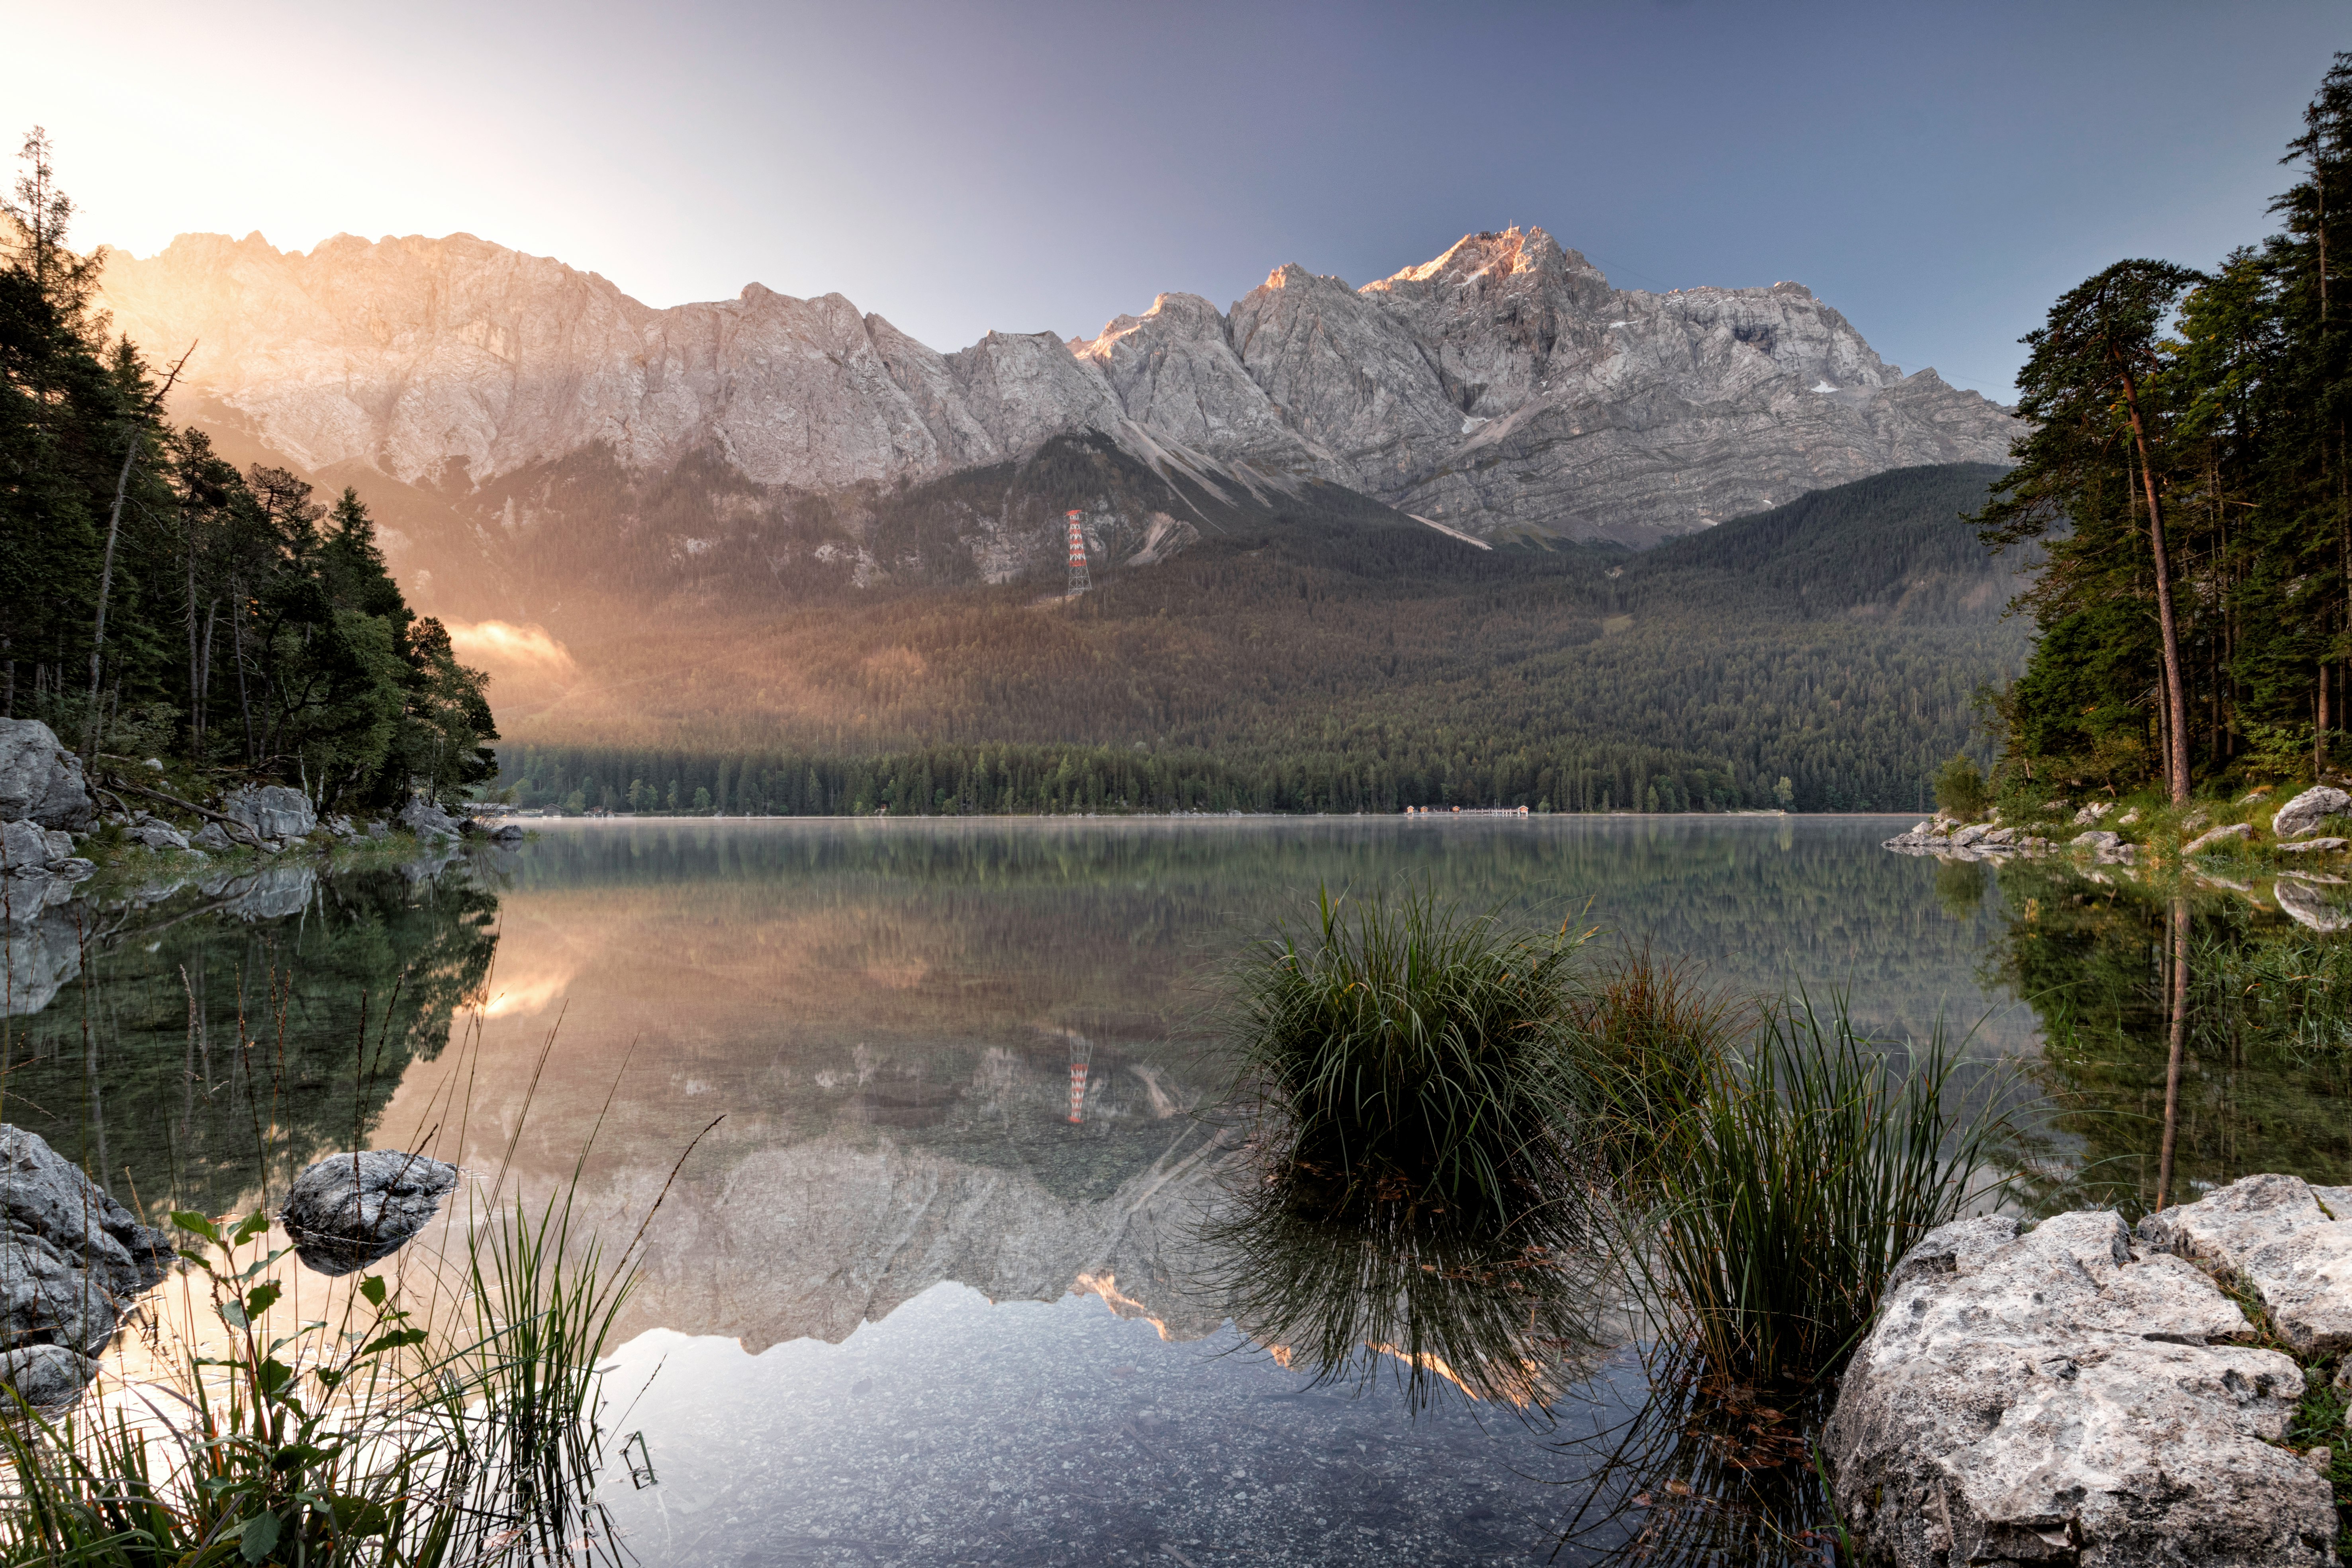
<point x="919" y="1101"/>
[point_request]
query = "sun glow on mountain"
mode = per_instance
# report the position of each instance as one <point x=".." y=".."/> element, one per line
<point x="503" y="647"/>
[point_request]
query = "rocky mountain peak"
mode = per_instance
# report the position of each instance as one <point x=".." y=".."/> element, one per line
<point x="1504" y="388"/>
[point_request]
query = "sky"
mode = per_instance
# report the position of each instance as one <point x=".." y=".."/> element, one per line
<point x="1939" y="173"/>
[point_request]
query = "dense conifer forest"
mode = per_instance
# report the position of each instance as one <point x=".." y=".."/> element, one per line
<point x="2190" y="474"/>
<point x="157" y="603"/>
<point x="1826" y="655"/>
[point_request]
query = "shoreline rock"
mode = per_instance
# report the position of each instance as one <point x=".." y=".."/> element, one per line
<point x="40" y="781"/>
<point x="2056" y="1394"/>
<point x="71" y="1261"/>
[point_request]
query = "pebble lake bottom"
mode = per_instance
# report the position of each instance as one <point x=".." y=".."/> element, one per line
<point x="932" y="1289"/>
<point x="957" y="1431"/>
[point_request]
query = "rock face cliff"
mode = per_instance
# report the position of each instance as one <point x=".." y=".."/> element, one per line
<point x="1504" y="389"/>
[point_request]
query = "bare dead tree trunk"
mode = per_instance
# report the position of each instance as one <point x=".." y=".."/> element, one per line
<point x="105" y="584"/>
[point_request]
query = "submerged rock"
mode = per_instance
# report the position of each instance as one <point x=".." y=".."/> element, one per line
<point x="40" y="781"/>
<point x="2302" y="816"/>
<point x="348" y="1211"/>
<point x="71" y="1260"/>
<point x="2053" y="1396"/>
<point x="44" y="1376"/>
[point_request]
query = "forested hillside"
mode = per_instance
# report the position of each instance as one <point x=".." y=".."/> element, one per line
<point x="1824" y="655"/>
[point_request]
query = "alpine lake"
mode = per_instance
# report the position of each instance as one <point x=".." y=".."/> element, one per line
<point x="921" y="1128"/>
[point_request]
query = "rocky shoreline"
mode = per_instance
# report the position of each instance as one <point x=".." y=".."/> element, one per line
<point x="257" y="852"/>
<point x="2085" y="1391"/>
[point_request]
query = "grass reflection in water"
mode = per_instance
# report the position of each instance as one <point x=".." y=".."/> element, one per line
<point x="1470" y="1148"/>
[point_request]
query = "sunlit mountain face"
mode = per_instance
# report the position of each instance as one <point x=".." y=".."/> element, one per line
<point x="1357" y="521"/>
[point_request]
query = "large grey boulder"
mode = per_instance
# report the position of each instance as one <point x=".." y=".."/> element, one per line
<point x="271" y="813"/>
<point x="2052" y="1397"/>
<point x="40" y="781"/>
<point x="71" y="1260"/>
<point x="2271" y="1233"/>
<point x="2302" y="816"/>
<point x="427" y="820"/>
<point x="348" y="1211"/>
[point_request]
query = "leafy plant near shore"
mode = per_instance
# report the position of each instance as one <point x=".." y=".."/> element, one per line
<point x="379" y="1441"/>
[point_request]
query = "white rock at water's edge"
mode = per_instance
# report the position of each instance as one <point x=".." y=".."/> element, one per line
<point x="2301" y="816"/>
<point x="427" y="820"/>
<point x="2049" y="1396"/>
<point x="40" y="781"/>
<point x="2271" y="1232"/>
<point x="274" y="814"/>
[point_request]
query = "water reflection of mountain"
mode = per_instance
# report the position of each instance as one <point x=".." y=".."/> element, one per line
<point x="254" y="1020"/>
<point x="886" y="1014"/>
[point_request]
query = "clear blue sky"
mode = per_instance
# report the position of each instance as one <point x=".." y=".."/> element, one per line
<point x="1939" y="173"/>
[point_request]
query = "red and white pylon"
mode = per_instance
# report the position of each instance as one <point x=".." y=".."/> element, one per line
<point x="1080" y="579"/>
<point x="1081" y="1049"/>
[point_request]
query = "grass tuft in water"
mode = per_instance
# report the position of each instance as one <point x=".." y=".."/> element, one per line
<point x="1404" y="1053"/>
<point x="1806" y="1170"/>
<point x="1653" y="1039"/>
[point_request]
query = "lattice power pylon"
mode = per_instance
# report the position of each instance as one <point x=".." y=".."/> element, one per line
<point x="1080" y="580"/>
<point x="1081" y="1050"/>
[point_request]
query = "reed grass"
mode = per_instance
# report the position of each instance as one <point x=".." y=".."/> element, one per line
<point x="375" y="1441"/>
<point x="1809" y="1165"/>
<point x="1401" y="1052"/>
<point x="1653" y="1039"/>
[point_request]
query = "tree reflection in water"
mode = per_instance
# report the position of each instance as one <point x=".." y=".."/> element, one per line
<point x="2195" y="1030"/>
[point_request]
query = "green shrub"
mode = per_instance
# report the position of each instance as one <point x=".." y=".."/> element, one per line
<point x="1960" y="788"/>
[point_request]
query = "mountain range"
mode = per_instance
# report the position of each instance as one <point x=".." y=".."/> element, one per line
<point x="530" y="432"/>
